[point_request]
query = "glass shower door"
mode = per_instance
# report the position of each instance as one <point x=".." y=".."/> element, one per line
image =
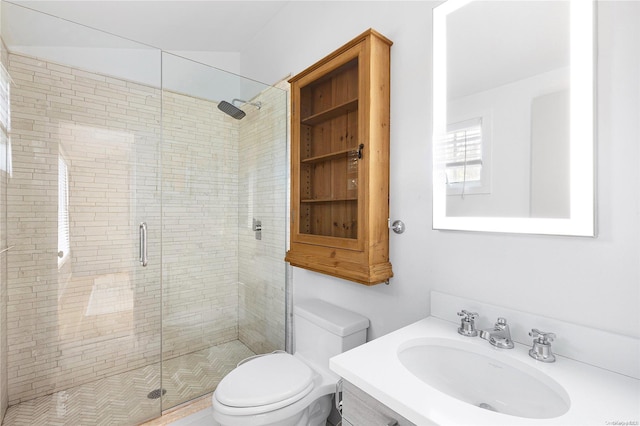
<point x="83" y="314"/>
<point x="108" y="263"/>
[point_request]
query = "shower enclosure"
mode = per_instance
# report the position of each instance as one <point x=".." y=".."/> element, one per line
<point x="143" y="227"/>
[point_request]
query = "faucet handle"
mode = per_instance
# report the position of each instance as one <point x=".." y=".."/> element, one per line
<point x="467" y="323"/>
<point x="542" y="337"/>
<point x="541" y="349"/>
<point x="468" y="316"/>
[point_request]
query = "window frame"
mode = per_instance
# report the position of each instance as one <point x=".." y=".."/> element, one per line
<point x="483" y="185"/>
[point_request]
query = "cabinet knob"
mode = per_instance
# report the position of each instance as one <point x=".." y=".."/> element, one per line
<point x="398" y="226"/>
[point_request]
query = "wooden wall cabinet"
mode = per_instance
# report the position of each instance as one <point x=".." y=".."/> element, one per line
<point x="340" y="163"/>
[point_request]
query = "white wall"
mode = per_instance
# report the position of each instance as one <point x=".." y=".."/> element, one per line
<point x="593" y="282"/>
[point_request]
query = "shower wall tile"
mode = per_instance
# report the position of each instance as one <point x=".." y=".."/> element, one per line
<point x="95" y="312"/>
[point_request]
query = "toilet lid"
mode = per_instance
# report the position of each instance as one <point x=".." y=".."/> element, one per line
<point x="266" y="380"/>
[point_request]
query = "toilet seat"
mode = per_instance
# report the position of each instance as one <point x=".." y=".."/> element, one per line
<point x="265" y="384"/>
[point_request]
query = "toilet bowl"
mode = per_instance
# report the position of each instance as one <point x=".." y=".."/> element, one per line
<point x="291" y="390"/>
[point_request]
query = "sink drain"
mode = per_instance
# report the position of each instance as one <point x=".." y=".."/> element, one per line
<point x="155" y="394"/>
<point x="487" y="406"/>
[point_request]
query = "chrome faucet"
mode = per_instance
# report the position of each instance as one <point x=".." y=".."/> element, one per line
<point x="499" y="336"/>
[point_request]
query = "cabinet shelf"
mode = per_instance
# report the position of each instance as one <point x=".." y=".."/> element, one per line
<point x="329" y="200"/>
<point x="328" y="157"/>
<point x="330" y="113"/>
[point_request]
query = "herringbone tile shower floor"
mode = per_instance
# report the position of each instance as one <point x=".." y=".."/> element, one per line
<point x="122" y="399"/>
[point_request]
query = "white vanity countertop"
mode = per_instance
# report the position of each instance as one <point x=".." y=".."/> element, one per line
<point x="598" y="396"/>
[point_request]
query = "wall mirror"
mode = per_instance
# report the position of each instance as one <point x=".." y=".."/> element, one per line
<point x="513" y="116"/>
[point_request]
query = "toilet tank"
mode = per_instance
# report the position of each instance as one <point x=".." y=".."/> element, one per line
<point x="322" y="330"/>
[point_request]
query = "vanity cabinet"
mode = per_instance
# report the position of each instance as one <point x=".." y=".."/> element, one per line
<point x="359" y="409"/>
<point x="340" y="163"/>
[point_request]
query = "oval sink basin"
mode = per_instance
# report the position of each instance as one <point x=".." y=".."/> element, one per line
<point x="502" y="385"/>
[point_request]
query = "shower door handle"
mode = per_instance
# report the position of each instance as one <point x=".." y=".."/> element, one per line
<point x="143" y="244"/>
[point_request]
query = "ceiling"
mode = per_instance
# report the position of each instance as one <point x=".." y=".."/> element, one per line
<point x="205" y="25"/>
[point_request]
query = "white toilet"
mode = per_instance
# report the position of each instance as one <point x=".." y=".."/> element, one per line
<point x="282" y="389"/>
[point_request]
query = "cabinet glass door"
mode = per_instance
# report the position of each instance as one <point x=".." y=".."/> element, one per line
<point x="329" y="154"/>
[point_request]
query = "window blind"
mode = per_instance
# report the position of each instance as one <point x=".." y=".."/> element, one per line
<point x="5" y="121"/>
<point x="462" y="152"/>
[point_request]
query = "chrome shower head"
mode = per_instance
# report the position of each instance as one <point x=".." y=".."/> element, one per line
<point x="231" y="110"/>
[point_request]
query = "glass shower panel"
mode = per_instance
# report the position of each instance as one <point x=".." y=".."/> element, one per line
<point x="83" y="314"/>
<point x="263" y="194"/>
<point x="5" y="170"/>
<point x="221" y="177"/>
